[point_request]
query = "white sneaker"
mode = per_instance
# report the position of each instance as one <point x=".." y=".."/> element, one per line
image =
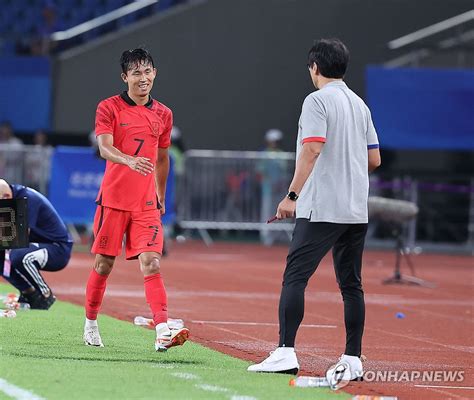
<point x="92" y="336"/>
<point x="170" y="338"/>
<point x="282" y="360"/>
<point x="348" y="368"/>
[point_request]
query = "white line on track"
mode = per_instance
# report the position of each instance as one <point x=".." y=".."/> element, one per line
<point x="259" y="324"/>
<point x="17" y="392"/>
<point x="319" y="297"/>
<point x="422" y="340"/>
<point x="445" y="387"/>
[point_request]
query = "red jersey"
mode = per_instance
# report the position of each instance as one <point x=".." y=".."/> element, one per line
<point x="137" y="131"/>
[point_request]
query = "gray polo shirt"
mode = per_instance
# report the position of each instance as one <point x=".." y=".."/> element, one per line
<point x="338" y="187"/>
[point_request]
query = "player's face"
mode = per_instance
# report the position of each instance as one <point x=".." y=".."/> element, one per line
<point x="140" y="79"/>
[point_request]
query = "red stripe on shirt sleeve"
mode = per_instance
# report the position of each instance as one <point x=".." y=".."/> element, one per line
<point x="314" y="139"/>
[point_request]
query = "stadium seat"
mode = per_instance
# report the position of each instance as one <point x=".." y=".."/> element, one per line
<point x="23" y="18"/>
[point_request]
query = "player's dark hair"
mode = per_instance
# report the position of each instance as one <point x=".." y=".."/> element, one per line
<point x="132" y="58"/>
<point x="331" y="56"/>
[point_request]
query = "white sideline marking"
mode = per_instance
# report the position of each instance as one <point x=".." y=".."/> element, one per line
<point x="164" y="366"/>
<point x="16" y="392"/>
<point x="238" y="397"/>
<point x="446" y="387"/>
<point x="185" y="375"/>
<point x="260" y="324"/>
<point x="211" y="388"/>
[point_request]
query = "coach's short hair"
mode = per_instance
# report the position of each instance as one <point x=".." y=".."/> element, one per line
<point x="132" y="58"/>
<point x="331" y="56"/>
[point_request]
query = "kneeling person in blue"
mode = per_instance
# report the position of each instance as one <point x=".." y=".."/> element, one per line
<point x="50" y="247"/>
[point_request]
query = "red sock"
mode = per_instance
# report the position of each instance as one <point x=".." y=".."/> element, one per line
<point x="155" y="294"/>
<point x="95" y="293"/>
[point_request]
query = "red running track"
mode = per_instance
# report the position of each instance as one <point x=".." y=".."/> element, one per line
<point x="228" y="295"/>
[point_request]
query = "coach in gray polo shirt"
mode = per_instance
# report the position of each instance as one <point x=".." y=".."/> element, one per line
<point x="337" y="147"/>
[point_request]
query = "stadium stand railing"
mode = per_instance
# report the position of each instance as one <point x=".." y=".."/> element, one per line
<point x="239" y="190"/>
<point x="232" y="190"/>
<point x="26" y="164"/>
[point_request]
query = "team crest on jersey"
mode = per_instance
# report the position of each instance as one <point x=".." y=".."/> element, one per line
<point x="155" y="127"/>
<point x="103" y="241"/>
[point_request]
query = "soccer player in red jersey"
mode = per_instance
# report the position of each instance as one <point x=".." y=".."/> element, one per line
<point x="133" y="133"/>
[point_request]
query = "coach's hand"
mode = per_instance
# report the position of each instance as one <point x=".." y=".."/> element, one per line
<point x="286" y="209"/>
<point x="140" y="164"/>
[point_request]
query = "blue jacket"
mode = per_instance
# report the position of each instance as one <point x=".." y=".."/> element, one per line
<point x="44" y="222"/>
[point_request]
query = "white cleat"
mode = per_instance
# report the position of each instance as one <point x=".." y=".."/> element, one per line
<point x="348" y="368"/>
<point x="92" y="337"/>
<point x="171" y="338"/>
<point x="282" y="360"/>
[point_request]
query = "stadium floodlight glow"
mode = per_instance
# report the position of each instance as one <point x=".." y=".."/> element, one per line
<point x="103" y="19"/>
<point x="431" y="30"/>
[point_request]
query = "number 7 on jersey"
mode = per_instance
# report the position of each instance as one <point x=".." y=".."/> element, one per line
<point x="140" y="141"/>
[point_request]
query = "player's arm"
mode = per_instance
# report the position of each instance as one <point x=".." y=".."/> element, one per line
<point x="109" y="152"/>
<point x="161" y="175"/>
<point x="374" y="159"/>
<point x="304" y="166"/>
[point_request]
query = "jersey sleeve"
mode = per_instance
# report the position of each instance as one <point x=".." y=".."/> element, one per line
<point x="104" y="119"/>
<point x="372" y="138"/>
<point x="313" y="120"/>
<point x="165" y="137"/>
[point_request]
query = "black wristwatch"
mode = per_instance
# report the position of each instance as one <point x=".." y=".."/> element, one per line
<point x="292" y="196"/>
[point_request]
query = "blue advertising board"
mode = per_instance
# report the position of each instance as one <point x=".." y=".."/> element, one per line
<point x="419" y="108"/>
<point x="76" y="174"/>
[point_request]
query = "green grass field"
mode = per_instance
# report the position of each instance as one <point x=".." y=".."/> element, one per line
<point x="42" y="352"/>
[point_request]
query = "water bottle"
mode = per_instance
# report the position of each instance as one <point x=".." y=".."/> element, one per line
<point x="172" y="323"/>
<point x="142" y="321"/>
<point x="7" y="314"/>
<point x="23" y="306"/>
<point x="309" y="381"/>
<point x="175" y="323"/>
<point x="17" y="306"/>
<point x="9" y="298"/>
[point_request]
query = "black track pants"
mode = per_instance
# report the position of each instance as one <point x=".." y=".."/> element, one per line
<point x="311" y="242"/>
